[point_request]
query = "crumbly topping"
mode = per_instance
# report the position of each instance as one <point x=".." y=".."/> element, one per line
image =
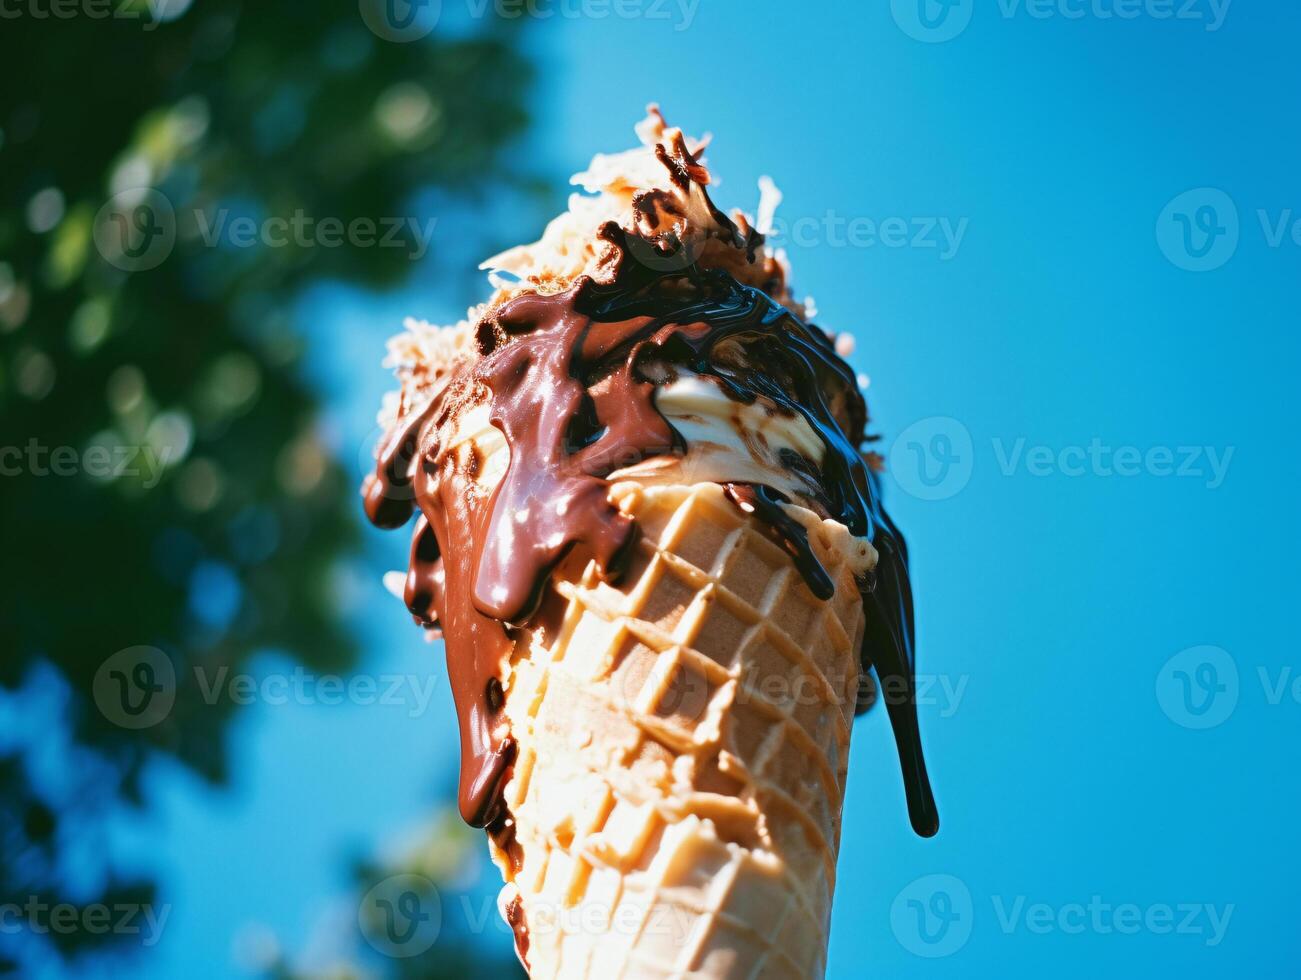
<point x="657" y="194"/>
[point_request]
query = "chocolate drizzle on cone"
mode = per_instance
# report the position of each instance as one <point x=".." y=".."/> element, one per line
<point x="765" y="504"/>
<point x="571" y="379"/>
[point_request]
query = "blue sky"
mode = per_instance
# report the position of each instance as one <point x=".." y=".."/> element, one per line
<point x="1091" y="448"/>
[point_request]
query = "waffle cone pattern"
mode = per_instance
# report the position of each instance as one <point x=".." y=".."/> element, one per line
<point x="682" y="749"/>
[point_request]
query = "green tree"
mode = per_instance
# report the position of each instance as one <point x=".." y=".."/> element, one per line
<point x="164" y="485"/>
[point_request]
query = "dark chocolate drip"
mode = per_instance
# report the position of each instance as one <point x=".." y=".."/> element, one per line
<point x="411" y="469"/>
<point x="888" y="644"/>
<point x="502" y="832"/>
<point x="389" y="494"/>
<point x="571" y="379"/>
<point x="553" y="498"/>
<point x="520" y="927"/>
<point x="426" y="580"/>
<point x="790" y="535"/>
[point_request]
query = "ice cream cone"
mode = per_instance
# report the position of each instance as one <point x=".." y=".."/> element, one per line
<point x="682" y="746"/>
<point x="652" y="538"/>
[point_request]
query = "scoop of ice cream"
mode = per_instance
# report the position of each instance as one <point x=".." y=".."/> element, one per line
<point x="655" y="196"/>
<point x="646" y="337"/>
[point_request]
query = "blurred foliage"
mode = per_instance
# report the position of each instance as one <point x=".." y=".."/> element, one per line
<point x="424" y="915"/>
<point x="226" y="539"/>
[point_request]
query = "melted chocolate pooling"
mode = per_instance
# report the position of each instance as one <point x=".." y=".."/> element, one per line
<point x="571" y="378"/>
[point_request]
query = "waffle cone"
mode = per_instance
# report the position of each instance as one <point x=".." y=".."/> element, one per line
<point x="682" y="748"/>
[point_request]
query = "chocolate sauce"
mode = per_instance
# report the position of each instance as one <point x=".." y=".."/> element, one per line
<point x="790" y="535"/>
<point x="571" y="381"/>
<point x="502" y="832"/>
<point x="412" y="469"/>
<point x="426" y="582"/>
<point x="519" y="926"/>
